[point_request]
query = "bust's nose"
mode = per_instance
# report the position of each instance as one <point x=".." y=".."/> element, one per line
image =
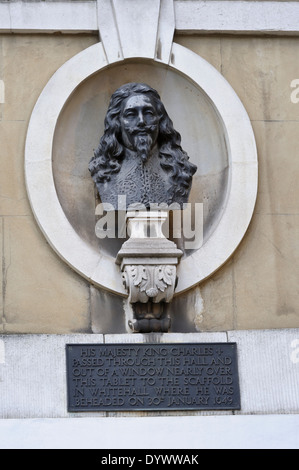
<point x="140" y="119"/>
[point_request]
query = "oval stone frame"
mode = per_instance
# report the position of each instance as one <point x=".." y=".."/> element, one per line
<point x="98" y="268"/>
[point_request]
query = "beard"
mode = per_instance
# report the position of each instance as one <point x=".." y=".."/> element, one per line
<point x="143" y="145"/>
<point x="141" y="140"/>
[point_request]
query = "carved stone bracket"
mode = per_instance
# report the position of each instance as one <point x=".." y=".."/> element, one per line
<point x="150" y="283"/>
<point x="148" y="263"/>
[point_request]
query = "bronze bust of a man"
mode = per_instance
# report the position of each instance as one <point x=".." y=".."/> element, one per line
<point x="140" y="154"/>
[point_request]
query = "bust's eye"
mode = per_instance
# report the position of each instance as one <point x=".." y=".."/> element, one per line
<point x="130" y="113"/>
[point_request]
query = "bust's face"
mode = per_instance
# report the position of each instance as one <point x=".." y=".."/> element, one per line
<point x="139" y="124"/>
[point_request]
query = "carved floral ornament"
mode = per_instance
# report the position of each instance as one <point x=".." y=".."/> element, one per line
<point x="99" y="268"/>
<point x="150" y="282"/>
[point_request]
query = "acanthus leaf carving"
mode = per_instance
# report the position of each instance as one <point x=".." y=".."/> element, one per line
<point x="151" y="281"/>
<point x="166" y="274"/>
<point x="139" y="275"/>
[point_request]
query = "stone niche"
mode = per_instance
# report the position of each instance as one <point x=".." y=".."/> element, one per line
<point x="81" y="124"/>
<point x="77" y="134"/>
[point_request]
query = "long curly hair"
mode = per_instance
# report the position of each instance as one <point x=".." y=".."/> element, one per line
<point x="108" y="157"/>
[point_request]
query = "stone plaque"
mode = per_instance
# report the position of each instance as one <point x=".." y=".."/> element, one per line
<point x="136" y="377"/>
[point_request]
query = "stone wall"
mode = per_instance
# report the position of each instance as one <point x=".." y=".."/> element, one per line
<point x="39" y="293"/>
<point x="33" y="379"/>
<point x="256" y="289"/>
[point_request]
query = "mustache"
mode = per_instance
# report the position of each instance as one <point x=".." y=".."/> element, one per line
<point x="136" y="130"/>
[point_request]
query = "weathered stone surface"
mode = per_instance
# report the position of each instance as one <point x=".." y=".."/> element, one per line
<point x="186" y="311"/>
<point x="13" y="196"/>
<point x="42" y="295"/>
<point x="107" y="312"/>
<point x="261" y="70"/>
<point x="37" y="292"/>
<point x="29" y="62"/>
<point x="33" y="375"/>
<point x="168" y="338"/>
<point x="218" y="301"/>
<point x="208" y="307"/>
<point x="268" y="370"/>
<point x="261" y="278"/>
<point x="266" y="274"/>
<point x="278" y="146"/>
<point x="208" y="48"/>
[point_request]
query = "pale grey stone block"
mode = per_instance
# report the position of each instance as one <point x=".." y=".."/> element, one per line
<point x="33" y="374"/>
<point x="167" y="338"/>
<point x="268" y="371"/>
